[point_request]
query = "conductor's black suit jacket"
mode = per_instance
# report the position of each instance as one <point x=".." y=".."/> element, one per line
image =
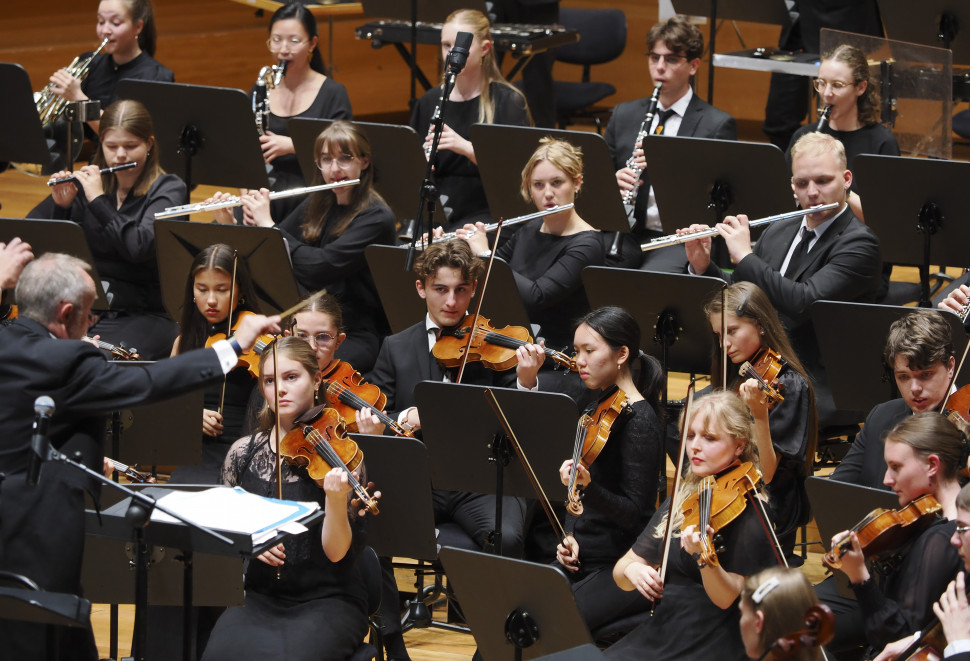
<point x="42" y="527"/>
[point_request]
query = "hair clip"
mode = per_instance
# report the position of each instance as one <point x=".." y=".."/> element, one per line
<point x="763" y="589"/>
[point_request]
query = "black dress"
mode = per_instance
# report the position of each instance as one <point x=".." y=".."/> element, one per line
<point x="686" y="624"/>
<point x="871" y="139"/>
<point x="548" y="272"/>
<point x="617" y="505"/>
<point x="338" y="264"/>
<point x="316" y="609"/>
<point x="122" y="242"/>
<point x="458" y="178"/>
<point x="104" y="75"/>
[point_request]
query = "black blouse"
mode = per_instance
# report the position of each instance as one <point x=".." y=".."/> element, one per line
<point x="122" y="241"/>
<point x="548" y="272"/>
<point x="104" y="75"/>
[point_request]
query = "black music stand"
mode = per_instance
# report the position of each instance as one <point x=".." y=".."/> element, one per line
<point x="177" y="243"/>
<point x="773" y="12"/>
<point x="403" y="307"/>
<point x="478" y="459"/>
<point x="857" y="375"/>
<point x="928" y="199"/>
<point x="53" y="609"/>
<point x="502" y="152"/>
<point x="939" y="23"/>
<point x="397" y="156"/>
<point x="516" y="609"/>
<point x="64" y="236"/>
<point x="207" y="135"/>
<point x="24" y="141"/>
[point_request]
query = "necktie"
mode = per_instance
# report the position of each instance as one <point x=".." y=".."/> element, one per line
<point x="801" y="253"/>
<point x="664" y="116"/>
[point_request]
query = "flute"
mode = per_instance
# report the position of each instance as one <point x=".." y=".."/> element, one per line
<point x="236" y="201"/>
<point x="673" y="239"/>
<point x="511" y="221"/>
<point x="113" y="168"/>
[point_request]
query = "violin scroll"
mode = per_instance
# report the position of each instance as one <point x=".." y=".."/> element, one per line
<point x="819" y="630"/>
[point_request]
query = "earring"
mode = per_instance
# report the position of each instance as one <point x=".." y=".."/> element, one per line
<point x="762" y="331"/>
<point x="619" y="366"/>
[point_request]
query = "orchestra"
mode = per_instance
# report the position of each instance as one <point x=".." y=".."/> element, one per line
<point x="693" y="558"/>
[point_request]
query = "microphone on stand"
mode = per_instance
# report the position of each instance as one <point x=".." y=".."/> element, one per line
<point x="40" y="445"/>
<point x="458" y="55"/>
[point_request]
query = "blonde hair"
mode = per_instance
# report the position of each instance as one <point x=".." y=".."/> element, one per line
<point x="560" y="154"/>
<point x="292" y="348"/>
<point x="784" y="605"/>
<point x="816" y="144"/>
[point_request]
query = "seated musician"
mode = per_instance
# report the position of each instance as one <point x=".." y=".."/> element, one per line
<point x="773" y="605"/>
<point x="304" y="596"/>
<point x="117" y="210"/>
<point x="618" y="486"/>
<point x="919" y="351"/>
<point x="952" y="610"/>
<point x="674" y="49"/>
<point x="328" y="232"/>
<point x="838" y="258"/>
<point x="696" y="615"/>
<point x="748" y="328"/>
<point x="924" y="454"/>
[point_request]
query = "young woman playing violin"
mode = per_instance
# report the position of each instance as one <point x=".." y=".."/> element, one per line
<point x="923" y="453"/>
<point x="304" y="596"/>
<point x="328" y="232"/>
<point x="618" y="485"/>
<point x="774" y="603"/>
<point x="747" y="332"/>
<point x="696" y="611"/>
<point x="210" y="304"/>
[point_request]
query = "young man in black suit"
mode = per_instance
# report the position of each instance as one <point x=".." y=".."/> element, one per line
<point x="675" y="47"/>
<point x="919" y="350"/>
<point x="42" y="524"/>
<point x="838" y="260"/>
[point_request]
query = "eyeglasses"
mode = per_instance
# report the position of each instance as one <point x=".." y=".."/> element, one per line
<point x="671" y="59"/>
<point x="836" y="85"/>
<point x="343" y="161"/>
<point x="318" y="340"/>
<point x="962" y="529"/>
<point x="276" y="41"/>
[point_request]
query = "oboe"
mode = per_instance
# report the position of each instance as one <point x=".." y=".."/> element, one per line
<point x="435" y="118"/>
<point x="236" y="201"/>
<point x="113" y="168"/>
<point x="823" y="118"/>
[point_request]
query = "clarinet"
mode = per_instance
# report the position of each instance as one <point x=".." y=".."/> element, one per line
<point x="435" y="119"/>
<point x="823" y="118"/>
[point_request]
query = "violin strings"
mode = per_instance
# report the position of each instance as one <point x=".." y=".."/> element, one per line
<point x="349" y="397"/>
<point x="325" y="450"/>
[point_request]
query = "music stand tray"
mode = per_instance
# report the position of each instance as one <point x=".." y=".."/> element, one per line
<point x="771" y="12"/>
<point x="42" y="607"/>
<point x="496" y="592"/>
<point x="177" y="243"/>
<point x="502" y="152"/>
<point x="397" y="157"/>
<point x="404" y="308"/>
<point x="64" y="236"/>
<point x="24" y="140"/>
<point x="853" y="361"/>
<point x="206" y="135"/>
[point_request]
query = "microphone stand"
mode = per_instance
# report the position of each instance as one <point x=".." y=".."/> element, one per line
<point x="429" y="192"/>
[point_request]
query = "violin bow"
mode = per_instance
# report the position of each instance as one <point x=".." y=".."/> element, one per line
<point x="724" y="357"/>
<point x="232" y="297"/>
<point x="949" y="388"/>
<point x="279" y="435"/>
<point x="524" y="460"/>
<point x="478" y="307"/>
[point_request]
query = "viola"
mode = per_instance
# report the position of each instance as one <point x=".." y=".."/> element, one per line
<point x="318" y="442"/>
<point x="592" y="433"/>
<point x="764" y="368"/>
<point x="248" y="359"/>
<point x="719" y="501"/>
<point x="819" y="630"/>
<point x="119" y="350"/>
<point x="493" y="347"/>
<point x="883" y="530"/>
<point x="347" y="392"/>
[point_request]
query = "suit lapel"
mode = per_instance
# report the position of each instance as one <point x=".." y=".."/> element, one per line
<point x="692" y="117"/>
<point x="821" y="248"/>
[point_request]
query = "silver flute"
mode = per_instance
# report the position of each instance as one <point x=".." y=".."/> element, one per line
<point x="511" y="221"/>
<point x="673" y="239"/>
<point x="113" y="168"/>
<point x="236" y="201"/>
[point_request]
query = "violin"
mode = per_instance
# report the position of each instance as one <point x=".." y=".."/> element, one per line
<point x="957" y="407"/>
<point x="883" y="530"/>
<point x="119" y="350"/>
<point x="764" y="368"/>
<point x="318" y="443"/>
<point x="248" y="359"/>
<point x="131" y="473"/>
<point x="819" y="630"/>
<point x="347" y="392"/>
<point x="719" y="501"/>
<point x="493" y="347"/>
<point x="592" y="433"/>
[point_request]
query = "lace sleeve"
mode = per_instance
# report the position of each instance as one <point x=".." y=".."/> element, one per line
<point x="239" y="456"/>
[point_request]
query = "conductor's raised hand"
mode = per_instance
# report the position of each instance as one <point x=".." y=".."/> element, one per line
<point x="737" y="236"/>
<point x="252" y="326"/>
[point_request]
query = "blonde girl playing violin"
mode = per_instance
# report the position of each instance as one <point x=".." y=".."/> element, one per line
<point x="303" y="596"/>
<point x="696" y="610"/>
<point x="786" y="431"/>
